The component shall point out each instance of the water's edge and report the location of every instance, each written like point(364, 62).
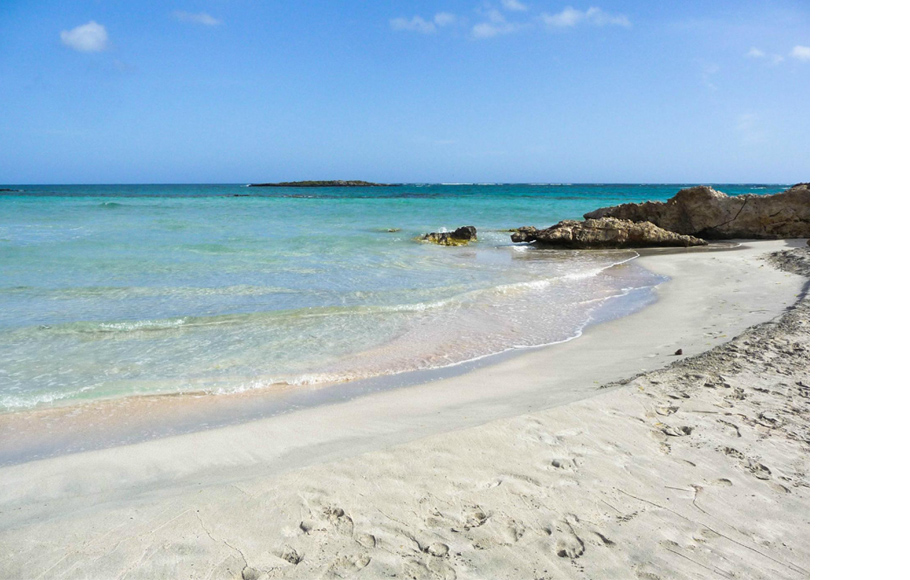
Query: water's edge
point(96, 425)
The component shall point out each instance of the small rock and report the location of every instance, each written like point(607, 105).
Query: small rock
point(678, 352)
point(459, 237)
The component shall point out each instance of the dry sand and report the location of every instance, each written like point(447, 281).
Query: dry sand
point(529, 468)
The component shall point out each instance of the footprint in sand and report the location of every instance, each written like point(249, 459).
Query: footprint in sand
point(722, 482)
point(416, 570)
point(306, 527)
point(473, 519)
point(672, 431)
point(346, 565)
point(513, 532)
point(737, 395)
point(366, 540)
point(560, 463)
point(441, 568)
point(568, 545)
point(758, 470)
point(437, 520)
point(779, 488)
point(731, 452)
point(288, 554)
point(342, 522)
point(548, 439)
point(769, 419)
point(438, 549)
point(603, 539)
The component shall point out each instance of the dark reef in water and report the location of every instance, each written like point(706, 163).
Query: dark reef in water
point(334, 183)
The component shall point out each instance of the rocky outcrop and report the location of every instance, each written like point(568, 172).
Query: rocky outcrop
point(459, 237)
point(604, 233)
point(706, 213)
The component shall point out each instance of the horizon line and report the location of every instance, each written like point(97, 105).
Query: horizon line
point(450, 183)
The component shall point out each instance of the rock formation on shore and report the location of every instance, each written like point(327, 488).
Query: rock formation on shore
point(704, 212)
point(604, 233)
point(459, 237)
point(334, 183)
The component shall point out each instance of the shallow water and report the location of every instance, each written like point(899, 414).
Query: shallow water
point(109, 291)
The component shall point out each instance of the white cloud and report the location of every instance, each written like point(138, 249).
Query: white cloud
point(196, 18)
point(800, 52)
point(571, 17)
point(566, 18)
point(497, 25)
point(598, 17)
point(444, 19)
point(491, 29)
point(514, 5)
point(91, 37)
point(416, 24)
point(759, 54)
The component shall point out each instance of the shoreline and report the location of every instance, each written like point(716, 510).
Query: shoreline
point(56, 430)
point(92, 425)
point(707, 301)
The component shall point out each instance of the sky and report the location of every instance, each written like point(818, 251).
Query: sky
point(239, 91)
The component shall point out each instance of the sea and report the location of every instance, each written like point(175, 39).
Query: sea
point(110, 291)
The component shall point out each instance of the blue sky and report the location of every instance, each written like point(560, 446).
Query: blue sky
point(228, 91)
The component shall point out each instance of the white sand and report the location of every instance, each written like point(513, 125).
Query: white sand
point(522, 469)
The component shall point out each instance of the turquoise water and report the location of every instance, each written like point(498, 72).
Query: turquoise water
point(117, 290)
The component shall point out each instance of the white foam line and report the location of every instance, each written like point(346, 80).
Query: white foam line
point(313, 380)
point(337, 379)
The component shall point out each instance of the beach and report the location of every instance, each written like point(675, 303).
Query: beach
point(497, 290)
point(603, 456)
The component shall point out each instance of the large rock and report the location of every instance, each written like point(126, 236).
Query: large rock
point(459, 237)
point(604, 233)
point(704, 212)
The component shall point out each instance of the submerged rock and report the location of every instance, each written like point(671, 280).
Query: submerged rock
point(459, 237)
point(604, 233)
point(707, 213)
